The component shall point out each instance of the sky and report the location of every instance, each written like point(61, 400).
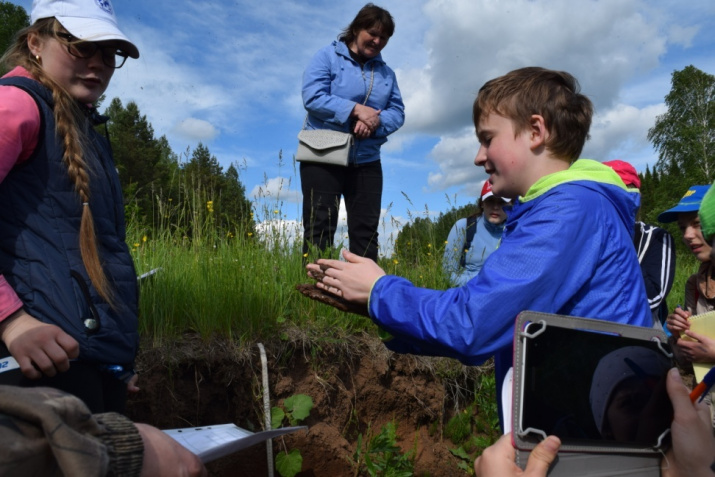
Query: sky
point(227, 73)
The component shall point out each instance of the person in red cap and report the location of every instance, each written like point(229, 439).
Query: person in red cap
point(472, 239)
point(655, 250)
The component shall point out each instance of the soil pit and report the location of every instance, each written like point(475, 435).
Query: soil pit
point(356, 384)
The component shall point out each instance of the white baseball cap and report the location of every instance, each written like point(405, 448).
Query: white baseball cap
point(89, 20)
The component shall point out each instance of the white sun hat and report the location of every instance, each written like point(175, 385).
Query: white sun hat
point(89, 20)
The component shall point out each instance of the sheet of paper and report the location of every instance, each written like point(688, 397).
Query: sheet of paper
point(212, 442)
point(704, 324)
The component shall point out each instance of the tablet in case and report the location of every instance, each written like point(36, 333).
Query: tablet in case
point(599, 386)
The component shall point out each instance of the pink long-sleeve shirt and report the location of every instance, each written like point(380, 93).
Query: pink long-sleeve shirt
point(20, 120)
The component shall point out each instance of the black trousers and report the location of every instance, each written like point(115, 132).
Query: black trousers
point(322, 186)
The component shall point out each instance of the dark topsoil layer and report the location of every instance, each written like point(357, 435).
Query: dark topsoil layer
point(355, 384)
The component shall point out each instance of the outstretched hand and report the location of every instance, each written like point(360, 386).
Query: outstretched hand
point(499, 460)
point(39, 348)
point(351, 280)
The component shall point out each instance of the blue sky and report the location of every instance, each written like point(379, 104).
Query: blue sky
point(228, 74)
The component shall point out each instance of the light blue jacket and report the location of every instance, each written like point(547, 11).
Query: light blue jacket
point(485, 241)
point(333, 83)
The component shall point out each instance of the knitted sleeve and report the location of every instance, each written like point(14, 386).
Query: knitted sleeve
point(48, 432)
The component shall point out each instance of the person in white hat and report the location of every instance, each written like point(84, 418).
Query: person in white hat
point(68, 290)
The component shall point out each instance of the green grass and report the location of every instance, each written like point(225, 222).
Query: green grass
point(215, 281)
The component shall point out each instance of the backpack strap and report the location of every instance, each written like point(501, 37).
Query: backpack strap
point(471, 230)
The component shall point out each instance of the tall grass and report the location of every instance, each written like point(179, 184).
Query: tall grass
point(241, 286)
point(215, 282)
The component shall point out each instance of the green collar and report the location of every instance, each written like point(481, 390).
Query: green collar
point(582, 169)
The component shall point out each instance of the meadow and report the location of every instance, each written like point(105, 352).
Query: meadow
point(214, 281)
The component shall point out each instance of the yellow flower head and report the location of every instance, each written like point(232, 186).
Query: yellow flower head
point(144, 238)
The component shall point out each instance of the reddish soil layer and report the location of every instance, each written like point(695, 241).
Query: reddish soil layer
point(354, 383)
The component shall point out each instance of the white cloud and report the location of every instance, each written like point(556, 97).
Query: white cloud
point(622, 133)
point(682, 36)
point(196, 129)
point(276, 190)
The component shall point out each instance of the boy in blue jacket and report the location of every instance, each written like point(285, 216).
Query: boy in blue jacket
point(567, 245)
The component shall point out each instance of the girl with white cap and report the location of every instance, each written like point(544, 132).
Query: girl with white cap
point(68, 290)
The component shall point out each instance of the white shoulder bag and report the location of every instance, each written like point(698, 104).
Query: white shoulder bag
point(325, 145)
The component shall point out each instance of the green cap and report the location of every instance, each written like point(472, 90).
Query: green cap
point(707, 214)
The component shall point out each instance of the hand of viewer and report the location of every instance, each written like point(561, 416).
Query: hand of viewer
point(164, 457)
point(351, 280)
point(693, 448)
point(678, 321)
point(38, 347)
point(700, 351)
point(498, 460)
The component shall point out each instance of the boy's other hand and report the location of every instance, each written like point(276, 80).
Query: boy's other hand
point(39, 348)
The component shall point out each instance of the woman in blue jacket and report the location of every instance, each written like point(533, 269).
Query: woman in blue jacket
point(336, 83)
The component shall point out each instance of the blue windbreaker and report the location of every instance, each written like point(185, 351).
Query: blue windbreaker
point(567, 248)
point(333, 83)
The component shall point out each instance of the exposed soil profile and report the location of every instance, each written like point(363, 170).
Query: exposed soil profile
point(355, 384)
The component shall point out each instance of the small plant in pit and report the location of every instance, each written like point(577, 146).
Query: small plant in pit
point(295, 409)
point(476, 427)
point(380, 456)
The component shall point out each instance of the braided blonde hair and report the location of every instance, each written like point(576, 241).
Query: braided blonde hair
point(72, 127)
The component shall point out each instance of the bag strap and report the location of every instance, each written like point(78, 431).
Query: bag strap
point(369, 90)
point(471, 230)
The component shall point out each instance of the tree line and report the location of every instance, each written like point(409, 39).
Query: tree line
point(162, 190)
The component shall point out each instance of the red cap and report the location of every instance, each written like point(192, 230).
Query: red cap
point(486, 190)
point(627, 172)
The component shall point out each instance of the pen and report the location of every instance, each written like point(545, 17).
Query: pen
point(700, 390)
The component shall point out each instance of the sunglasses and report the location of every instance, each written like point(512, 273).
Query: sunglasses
point(111, 55)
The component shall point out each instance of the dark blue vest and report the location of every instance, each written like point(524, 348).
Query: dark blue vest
point(40, 215)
